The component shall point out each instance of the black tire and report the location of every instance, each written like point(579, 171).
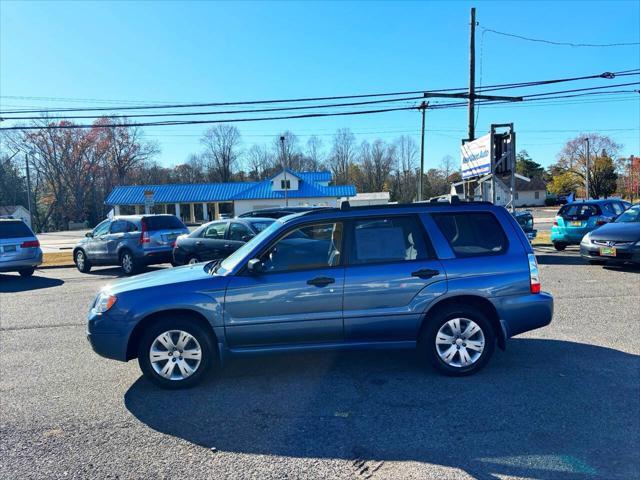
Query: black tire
point(429, 348)
point(84, 265)
point(192, 259)
point(559, 246)
point(193, 328)
point(128, 263)
point(26, 272)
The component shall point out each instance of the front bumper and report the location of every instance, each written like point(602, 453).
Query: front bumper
point(15, 265)
point(630, 253)
point(108, 336)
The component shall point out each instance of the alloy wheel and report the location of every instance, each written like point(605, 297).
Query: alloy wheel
point(80, 260)
point(460, 342)
point(175, 355)
point(127, 263)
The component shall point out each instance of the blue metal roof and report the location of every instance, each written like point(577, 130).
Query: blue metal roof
point(226, 192)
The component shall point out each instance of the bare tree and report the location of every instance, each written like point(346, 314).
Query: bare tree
point(315, 154)
point(405, 175)
point(342, 155)
point(222, 144)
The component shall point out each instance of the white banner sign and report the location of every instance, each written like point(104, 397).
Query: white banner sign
point(476, 157)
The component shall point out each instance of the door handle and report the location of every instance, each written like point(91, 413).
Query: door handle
point(321, 281)
point(198, 242)
point(227, 245)
point(425, 273)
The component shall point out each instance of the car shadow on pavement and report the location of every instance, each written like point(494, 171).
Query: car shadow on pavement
point(117, 271)
point(13, 283)
point(560, 259)
point(542, 409)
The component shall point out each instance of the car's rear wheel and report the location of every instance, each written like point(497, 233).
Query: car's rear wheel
point(128, 263)
point(176, 353)
point(26, 272)
point(193, 260)
point(82, 262)
point(458, 341)
point(560, 246)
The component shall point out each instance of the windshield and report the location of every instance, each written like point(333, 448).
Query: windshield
point(236, 257)
point(631, 215)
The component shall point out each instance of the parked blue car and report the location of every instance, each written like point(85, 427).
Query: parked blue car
point(575, 220)
point(451, 279)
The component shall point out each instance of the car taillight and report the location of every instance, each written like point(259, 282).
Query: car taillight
point(30, 244)
point(601, 221)
point(144, 233)
point(534, 274)
point(555, 223)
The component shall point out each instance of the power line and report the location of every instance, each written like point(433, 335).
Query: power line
point(228, 112)
point(607, 75)
point(566, 44)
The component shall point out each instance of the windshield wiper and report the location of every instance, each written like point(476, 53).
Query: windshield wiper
point(212, 267)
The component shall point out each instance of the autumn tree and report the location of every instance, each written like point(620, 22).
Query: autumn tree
point(221, 151)
point(343, 154)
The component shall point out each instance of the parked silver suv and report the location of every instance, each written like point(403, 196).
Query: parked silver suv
point(19, 248)
point(132, 242)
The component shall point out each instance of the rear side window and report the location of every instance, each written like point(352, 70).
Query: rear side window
point(579, 210)
point(14, 230)
point(387, 240)
point(472, 234)
point(168, 222)
point(122, 226)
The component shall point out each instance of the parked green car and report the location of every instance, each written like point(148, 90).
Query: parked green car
point(575, 220)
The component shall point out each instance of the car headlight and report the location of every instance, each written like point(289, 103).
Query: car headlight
point(104, 302)
point(586, 238)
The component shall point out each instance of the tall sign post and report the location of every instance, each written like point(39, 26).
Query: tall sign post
point(148, 201)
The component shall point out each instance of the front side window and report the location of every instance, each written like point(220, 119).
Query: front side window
point(215, 230)
point(239, 232)
point(102, 228)
point(307, 247)
point(387, 240)
point(472, 234)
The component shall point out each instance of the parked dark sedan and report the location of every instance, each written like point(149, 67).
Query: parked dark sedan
point(276, 212)
point(617, 242)
point(216, 240)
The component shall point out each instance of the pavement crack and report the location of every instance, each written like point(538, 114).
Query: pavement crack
point(36, 327)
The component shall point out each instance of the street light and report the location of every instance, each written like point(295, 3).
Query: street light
point(284, 169)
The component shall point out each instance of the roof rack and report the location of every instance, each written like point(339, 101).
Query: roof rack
point(346, 207)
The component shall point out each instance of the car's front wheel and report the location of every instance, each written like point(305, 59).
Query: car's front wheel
point(82, 262)
point(193, 260)
point(458, 341)
point(176, 352)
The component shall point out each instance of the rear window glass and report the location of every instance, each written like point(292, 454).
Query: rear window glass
point(14, 230)
point(472, 234)
point(579, 210)
point(168, 222)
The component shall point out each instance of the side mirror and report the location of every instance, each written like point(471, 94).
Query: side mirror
point(255, 266)
point(88, 234)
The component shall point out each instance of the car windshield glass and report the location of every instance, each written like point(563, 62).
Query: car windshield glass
point(14, 230)
point(631, 215)
point(229, 263)
point(163, 222)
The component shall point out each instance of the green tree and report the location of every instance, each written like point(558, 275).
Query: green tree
point(527, 167)
point(564, 183)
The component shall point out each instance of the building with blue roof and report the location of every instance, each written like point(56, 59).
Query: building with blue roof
point(203, 202)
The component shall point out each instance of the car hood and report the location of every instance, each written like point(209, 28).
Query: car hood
point(167, 276)
point(619, 232)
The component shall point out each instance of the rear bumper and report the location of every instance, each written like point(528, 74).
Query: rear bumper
point(519, 314)
point(561, 234)
point(156, 256)
point(15, 265)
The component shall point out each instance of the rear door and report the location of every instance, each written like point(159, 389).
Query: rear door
point(391, 277)
point(119, 232)
point(211, 245)
point(17, 241)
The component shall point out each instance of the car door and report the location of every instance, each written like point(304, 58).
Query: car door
point(297, 298)
point(211, 245)
point(237, 235)
point(96, 248)
point(391, 277)
point(118, 232)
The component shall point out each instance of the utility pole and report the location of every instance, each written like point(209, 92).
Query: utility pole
point(472, 74)
point(284, 169)
point(26, 160)
point(423, 108)
point(586, 139)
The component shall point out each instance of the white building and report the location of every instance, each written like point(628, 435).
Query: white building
point(530, 192)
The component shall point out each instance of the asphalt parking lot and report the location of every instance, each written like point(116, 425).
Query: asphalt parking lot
point(561, 402)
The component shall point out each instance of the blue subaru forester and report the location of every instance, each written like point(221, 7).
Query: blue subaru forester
point(452, 279)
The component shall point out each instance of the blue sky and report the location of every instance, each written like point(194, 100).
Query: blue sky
point(128, 52)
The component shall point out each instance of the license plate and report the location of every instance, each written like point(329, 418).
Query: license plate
point(9, 248)
point(608, 251)
point(575, 223)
